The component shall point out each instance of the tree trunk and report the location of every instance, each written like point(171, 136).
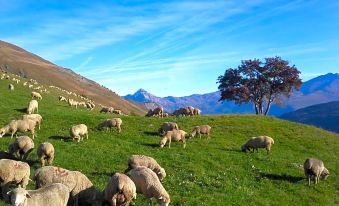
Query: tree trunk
point(268, 107)
point(256, 108)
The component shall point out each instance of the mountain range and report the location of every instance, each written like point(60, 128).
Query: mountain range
point(322, 89)
point(325, 116)
point(16, 60)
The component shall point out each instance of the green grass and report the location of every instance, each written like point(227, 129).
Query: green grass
point(205, 173)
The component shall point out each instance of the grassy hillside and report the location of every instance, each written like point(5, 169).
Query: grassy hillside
point(205, 173)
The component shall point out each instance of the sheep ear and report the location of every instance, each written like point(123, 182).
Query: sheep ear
point(28, 195)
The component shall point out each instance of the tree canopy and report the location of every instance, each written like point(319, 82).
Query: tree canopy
point(261, 83)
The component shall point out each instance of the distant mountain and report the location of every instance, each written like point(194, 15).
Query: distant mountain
point(325, 116)
point(18, 61)
point(321, 89)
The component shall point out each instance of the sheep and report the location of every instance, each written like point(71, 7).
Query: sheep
point(117, 111)
point(177, 135)
point(11, 87)
point(90, 105)
point(191, 110)
point(148, 184)
point(196, 112)
point(19, 126)
point(55, 194)
point(45, 152)
point(22, 146)
point(32, 106)
point(34, 117)
point(81, 188)
point(135, 161)
point(78, 131)
point(182, 111)
point(120, 184)
point(36, 95)
point(109, 123)
point(106, 110)
point(158, 112)
point(62, 99)
point(258, 142)
point(12, 171)
point(201, 129)
point(167, 126)
point(72, 103)
point(314, 168)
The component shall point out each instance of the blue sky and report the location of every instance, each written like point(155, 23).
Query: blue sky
point(173, 47)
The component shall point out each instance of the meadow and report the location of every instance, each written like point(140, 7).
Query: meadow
point(213, 172)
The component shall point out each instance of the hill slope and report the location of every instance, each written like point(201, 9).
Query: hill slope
point(204, 173)
point(325, 116)
point(321, 89)
point(15, 60)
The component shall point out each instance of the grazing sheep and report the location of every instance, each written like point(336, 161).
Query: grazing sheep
point(90, 105)
point(19, 126)
point(109, 123)
point(62, 99)
point(106, 110)
point(36, 95)
point(258, 142)
point(182, 111)
point(141, 160)
point(72, 103)
point(201, 129)
point(55, 194)
point(21, 147)
point(117, 111)
point(167, 126)
point(120, 184)
point(12, 171)
point(315, 169)
point(33, 106)
point(34, 117)
point(191, 110)
point(81, 188)
point(11, 87)
point(148, 184)
point(157, 112)
point(45, 152)
point(78, 132)
point(196, 112)
point(177, 135)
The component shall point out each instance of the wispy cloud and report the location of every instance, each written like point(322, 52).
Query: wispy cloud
point(84, 63)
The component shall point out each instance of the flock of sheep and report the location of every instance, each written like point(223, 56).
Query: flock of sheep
point(58, 186)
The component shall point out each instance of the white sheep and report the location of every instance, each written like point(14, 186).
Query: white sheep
point(148, 184)
point(12, 171)
point(62, 99)
point(167, 126)
point(45, 152)
point(33, 106)
point(11, 87)
point(109, 123)
point(177, 135)
point(34, 117)
point(120, 184)
point(81, 188)
point(258, 142)
point(78, 132)
point(19, 126)
point(201, 129)
point(314, 168)
point(72, 103)
point(36, 95)
point(22, 146)
point(55, 194)
point(135, 161)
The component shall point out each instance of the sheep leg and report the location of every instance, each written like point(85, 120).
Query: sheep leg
point(199, 135)
point(309, 180)
point(42, 161)
point(119, 129)
point(169, 143)
point(50, 160)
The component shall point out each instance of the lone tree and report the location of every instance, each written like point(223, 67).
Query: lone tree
point(259, 82)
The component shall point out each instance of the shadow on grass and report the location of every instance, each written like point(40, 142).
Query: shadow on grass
point(231, 150)
point(284, 177)
point(152, 133)
point(23, 110)
point(109, 174)
point(33, 163)
point(151, 145)
point(66, 139)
